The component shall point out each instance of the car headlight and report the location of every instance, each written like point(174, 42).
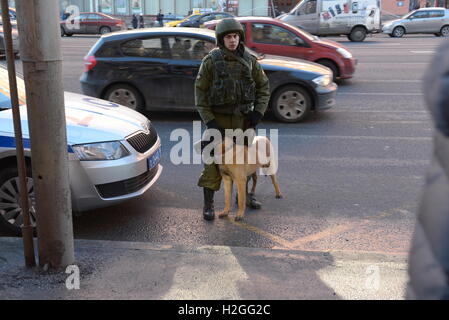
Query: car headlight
point(101, 151)
point(345, 53)
point(323, 81)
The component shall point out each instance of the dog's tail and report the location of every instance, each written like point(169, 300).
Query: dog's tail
point(267, 155)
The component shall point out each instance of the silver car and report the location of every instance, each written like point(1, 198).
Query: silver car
point(426, 20)
point(15, 40)
point(113, 154)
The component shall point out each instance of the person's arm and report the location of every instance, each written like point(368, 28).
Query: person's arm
point(262, 88)
point(202, 85)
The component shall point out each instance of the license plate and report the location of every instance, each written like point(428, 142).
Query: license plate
point(154, 159)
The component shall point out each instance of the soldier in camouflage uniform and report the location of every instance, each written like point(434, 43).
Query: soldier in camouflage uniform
point(231, 92)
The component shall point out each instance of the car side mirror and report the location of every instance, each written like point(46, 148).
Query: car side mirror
point(298, 42)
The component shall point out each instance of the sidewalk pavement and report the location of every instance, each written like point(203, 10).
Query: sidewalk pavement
point(136, 270)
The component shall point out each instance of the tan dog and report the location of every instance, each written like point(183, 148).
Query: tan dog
point(238, 172)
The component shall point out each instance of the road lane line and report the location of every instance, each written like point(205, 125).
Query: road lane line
point(429, 51)
point(410, 94)
point(326, 233)
point(262, 233)
point(335, 230)
point(310, 136)
point(386, 81)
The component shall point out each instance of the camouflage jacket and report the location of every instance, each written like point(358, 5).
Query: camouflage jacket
point(205, 78)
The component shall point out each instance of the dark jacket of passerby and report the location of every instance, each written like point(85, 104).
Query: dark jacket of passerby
point(231, 92)
point(134, 21)
point(160, 19)
point(429, 253)
point(141, 22)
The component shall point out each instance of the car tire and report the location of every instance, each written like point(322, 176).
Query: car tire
point(358, 34)
point(398, 32)
point(11, 217)
point(104, 30)
point(68, 34)
point(291, 103)
point(444, 32)
point(125, 95)
point(331, 65)
point(62, 32)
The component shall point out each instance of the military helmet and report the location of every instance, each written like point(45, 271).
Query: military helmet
point(228, 25)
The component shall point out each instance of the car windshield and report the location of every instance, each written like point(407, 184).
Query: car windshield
point(106, 16)
point(304, 33)
point(409, 14)
point(192, 17)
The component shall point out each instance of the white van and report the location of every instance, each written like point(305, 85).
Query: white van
point(355, 18)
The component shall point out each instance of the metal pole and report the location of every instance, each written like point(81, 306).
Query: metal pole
point(27, 228)
point(40, 39)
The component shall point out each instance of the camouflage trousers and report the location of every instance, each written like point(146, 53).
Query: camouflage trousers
point(210, 177)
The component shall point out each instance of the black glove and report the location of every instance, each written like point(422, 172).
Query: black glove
point(214, 125)
point(254, 118)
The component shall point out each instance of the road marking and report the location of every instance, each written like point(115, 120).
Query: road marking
point(331, 231)
point(386, 81)
point(430, 51)
point(376, 111)
point(317, 136)
point(394, 63)
point(359, 162)
point(379, 94)
point(267, 235)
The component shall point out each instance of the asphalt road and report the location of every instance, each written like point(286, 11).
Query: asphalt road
point(351, 176)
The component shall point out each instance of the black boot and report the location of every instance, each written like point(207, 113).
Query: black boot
point(208, 210)
point(251, 201)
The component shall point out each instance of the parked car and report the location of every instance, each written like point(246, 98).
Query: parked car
point(155, 69)
point(91, 23)
point(198, 21)
point(15, 41)
point(176, 22)
point(12, 13)
point(171, 17)
point(425, 20)
point(113, 156)
point(271, 36)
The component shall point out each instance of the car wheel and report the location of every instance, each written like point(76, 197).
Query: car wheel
point(398, 32)
point(358, 34)
point(62, 32)
point(68, 34)
point(104, 30)
point(331, 65)
point(11, 216)
point(125, 95)
point(291, 104)
point(444, 31)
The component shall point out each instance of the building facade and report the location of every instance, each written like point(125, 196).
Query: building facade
point(175, 7)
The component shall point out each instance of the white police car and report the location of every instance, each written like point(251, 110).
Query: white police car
point(114, 154)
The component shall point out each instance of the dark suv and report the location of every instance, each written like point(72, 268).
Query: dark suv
point(155, 69)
